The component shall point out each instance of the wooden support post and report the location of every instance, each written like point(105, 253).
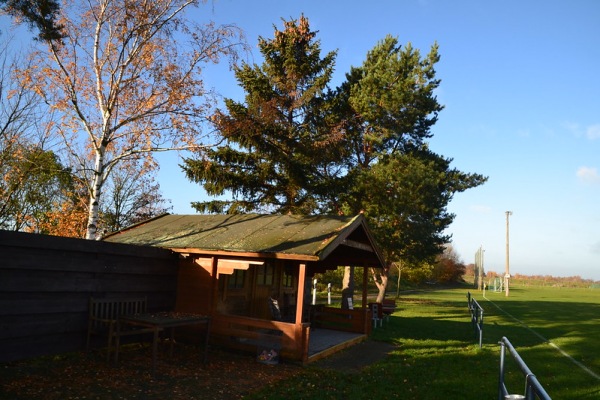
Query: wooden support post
point(367, 320)
point(364, 285)
point(214, 288)
point(299, 330)
point(300, 294)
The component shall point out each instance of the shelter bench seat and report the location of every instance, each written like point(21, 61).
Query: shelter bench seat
point(388, 307)
point(104, 314)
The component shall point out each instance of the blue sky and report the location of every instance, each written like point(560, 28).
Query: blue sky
point(521, 91)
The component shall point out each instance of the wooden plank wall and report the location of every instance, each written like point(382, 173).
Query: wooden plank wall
point(46, 283)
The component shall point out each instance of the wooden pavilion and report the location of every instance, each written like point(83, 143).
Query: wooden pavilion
point(253, 274)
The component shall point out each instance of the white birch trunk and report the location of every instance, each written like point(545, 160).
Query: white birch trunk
point(95, 193)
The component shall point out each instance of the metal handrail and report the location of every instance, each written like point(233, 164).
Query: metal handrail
point(533, 388)
point(476, 317)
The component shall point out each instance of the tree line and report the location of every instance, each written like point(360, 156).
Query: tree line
point(547, 280)
point(446, 269)
point(118, 84)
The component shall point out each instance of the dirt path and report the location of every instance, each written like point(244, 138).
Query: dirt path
point(355, 358)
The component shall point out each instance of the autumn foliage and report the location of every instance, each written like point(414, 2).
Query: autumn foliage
point(126, 82)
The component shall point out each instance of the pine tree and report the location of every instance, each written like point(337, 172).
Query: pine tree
point(389, 106)
point(40, 14)
point(280, 140)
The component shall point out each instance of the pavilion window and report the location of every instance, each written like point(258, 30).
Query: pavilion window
point(288, 276)
point(237, 279)
point(265, 274)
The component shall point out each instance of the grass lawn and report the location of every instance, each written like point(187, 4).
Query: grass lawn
point(550, 325)
point(437, 355)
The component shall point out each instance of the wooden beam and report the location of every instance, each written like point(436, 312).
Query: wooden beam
point(358, 245)
point(234, 261)
point(225, 271)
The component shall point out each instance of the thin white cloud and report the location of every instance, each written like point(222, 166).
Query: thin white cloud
point(588, 175)
point(572, 127)
point(480, 209)
point(524, 133)
point(593, 132)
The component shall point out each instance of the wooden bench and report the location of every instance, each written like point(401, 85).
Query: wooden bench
point(104, 314)
point(388, 307)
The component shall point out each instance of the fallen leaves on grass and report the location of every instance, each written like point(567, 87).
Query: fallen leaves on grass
point(183, 376)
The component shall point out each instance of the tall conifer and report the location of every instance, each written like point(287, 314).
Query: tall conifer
point(277, 142)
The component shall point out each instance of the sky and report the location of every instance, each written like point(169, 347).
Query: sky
point(521, 88)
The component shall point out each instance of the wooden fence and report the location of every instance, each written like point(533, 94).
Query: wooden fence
point(46, 283)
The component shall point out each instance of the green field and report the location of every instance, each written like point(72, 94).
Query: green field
point(437, 356)
point(556, 331)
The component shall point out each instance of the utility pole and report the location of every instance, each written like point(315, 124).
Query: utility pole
point(507, 269)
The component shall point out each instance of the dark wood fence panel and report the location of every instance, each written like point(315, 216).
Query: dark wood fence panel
point(46, 283)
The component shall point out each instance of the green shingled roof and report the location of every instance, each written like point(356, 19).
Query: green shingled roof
point(312, 237)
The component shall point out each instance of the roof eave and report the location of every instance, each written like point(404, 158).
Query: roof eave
point(239, 254)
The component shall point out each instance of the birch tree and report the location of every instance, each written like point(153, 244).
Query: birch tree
point(127, 82)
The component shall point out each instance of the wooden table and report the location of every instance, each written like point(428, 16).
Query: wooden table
point(160, 321)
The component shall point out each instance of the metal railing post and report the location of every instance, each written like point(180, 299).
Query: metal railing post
point(533, 388)
point(481, 330)
point(476, 313)
point(529, 392)
point(501, 387)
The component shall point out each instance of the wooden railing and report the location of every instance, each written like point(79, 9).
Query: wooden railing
point(292, 340)
point(357, 320)
point(248, 333)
